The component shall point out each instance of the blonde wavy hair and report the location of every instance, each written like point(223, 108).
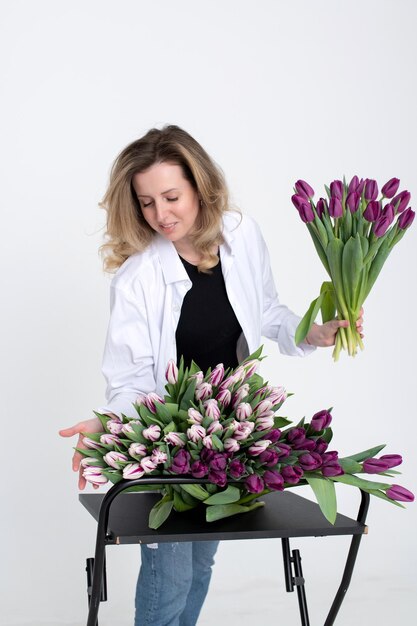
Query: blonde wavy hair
point(127, 231)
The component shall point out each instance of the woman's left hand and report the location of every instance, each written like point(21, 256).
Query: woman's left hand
point(324, 335)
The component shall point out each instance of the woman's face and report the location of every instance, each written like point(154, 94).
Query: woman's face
point(169, 203)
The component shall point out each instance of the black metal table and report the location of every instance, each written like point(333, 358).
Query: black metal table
point(123, 518)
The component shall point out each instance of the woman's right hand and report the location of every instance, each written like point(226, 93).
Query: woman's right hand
point(88, 426)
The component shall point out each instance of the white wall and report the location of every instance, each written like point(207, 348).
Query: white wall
point(275, 91)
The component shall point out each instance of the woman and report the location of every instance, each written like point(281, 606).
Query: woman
point(193, 279)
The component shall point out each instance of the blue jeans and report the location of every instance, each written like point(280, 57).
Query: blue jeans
point(173, 583)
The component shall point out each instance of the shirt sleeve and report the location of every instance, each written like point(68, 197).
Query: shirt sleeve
point(128, 362)
point(279, 323)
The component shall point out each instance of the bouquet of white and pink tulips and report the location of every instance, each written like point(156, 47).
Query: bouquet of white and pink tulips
point(353, 232)
point(223, 426)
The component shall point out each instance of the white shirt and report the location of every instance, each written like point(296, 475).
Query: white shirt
point(146, 297)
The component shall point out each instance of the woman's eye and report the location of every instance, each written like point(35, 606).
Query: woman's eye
point(144, 205)
point(172, 199)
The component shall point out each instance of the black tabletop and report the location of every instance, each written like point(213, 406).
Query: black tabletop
point(285, 514)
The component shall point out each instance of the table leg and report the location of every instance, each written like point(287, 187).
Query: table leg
point(296, 580)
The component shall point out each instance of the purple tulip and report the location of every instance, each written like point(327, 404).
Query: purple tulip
point(231, 445)
point(321, 207)
point(375, 466)
point(269, 457)
point(321, 446)
point(336, 189)
point(292, 474)
point(296, 435)
point(151, 400)
point(206, 455)
point(372, 211)
point(196, 432)
point(114, 459)
point(217, 477)
point(401, 494)
point(273, 480)
point(304, 208)
point(392, 459)
point(283, 450)
point(171, 372)
point(132, 471)
point(152, 433)
point(93, 475)
point(335, 207)
point(320, 420)
point(361, 187)
point(306, 214)
point(254, 483)
point(236, 468)
point(390, 188)
point(401, 201)
point(310, 461)
point(224, 397)
point(217, 375)
point(371, 189)
point(218, 462)
point(332, 468)
point(203, 391)
point(352, 201)
point(383, 222)
point(304, 189)
point(273, 435)
point(305, 444)
point(406, 219)
point(181, 462)
point(353, 185)
point(198, 469)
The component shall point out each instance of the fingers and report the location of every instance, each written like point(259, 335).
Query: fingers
point(72, 430)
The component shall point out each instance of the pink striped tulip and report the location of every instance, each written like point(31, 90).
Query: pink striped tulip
point(152, 433)
point(171, 372)
point(93, 475)
point(133, 471)
point(114, 459)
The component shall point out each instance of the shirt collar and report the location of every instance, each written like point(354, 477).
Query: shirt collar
point(172, 268)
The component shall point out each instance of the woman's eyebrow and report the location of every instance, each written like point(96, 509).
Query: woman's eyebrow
point(145, 195)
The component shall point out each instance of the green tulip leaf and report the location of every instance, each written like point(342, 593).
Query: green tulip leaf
point(160, 512)
point(328, 304)
point(361, 483)
point(325, 493)
point(229, 495)
point(181, 505)
point(350, 466)
point(366, 454)
point(306, 323)
point(219, 511)
point(188, 396)
point(197, 491)
point(103, 419)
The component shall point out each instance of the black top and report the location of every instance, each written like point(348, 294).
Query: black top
point(208, 328)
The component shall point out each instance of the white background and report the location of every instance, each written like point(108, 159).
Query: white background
point(275, 91)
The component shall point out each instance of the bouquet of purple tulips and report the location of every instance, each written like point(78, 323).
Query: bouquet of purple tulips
point(353, 232)
point(223, 426)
